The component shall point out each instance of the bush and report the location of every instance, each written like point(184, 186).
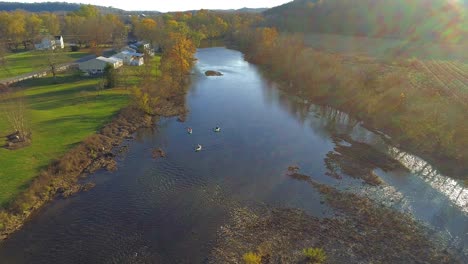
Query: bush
point(252, 258)
point(315, 255)
point(110, 75)
point(74, 48)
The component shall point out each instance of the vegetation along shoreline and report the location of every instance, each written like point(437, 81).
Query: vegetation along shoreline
point(393, 97)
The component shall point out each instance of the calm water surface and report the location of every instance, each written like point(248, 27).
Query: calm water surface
point(169, 210)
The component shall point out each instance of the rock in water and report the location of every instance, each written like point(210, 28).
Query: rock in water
point(213, 73)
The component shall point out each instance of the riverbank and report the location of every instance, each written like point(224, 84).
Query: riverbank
point(62, 178)
point(420, 115)
point(359, 232)
point(59, 115)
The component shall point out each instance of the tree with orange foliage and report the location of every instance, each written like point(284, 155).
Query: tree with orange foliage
point(264, 44)
point(178, 57)
point(146, 29)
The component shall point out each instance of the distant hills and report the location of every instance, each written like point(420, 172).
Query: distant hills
point(51, 7)
point(68, 7)
point(435, 20)
point(244, 10)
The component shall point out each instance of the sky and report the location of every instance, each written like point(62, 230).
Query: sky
point(176, 5)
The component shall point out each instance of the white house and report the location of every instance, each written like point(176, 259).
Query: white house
point(49, 43)
point(97, 65)
point(141, 45)
point(130, 58)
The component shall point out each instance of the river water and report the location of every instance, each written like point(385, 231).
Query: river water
point(169, 210)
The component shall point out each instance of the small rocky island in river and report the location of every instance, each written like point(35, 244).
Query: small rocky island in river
point(213, 73)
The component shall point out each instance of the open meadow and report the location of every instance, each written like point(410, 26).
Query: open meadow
point(30, 61)
point(59, 116)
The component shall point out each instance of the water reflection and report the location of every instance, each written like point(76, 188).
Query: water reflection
point(438, 200)
point(452, 189)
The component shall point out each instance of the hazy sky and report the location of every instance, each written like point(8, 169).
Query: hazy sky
point(177, 5)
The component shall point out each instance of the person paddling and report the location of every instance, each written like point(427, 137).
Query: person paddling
point(198, 148)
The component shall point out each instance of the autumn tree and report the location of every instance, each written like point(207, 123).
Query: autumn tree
point(51, 23)
point(13, 27)
point(33, 26)
point(145, 29)
point(262, 44)
point(117, 30)
point(73, 28)
point(178, 57)
point(88, 11)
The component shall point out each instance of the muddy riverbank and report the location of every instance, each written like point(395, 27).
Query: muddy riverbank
point(360, 231)
point(63, 178)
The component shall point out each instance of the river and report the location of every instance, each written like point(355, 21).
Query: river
point(169, 210)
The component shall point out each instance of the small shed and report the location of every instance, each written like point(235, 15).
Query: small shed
point(97, 65)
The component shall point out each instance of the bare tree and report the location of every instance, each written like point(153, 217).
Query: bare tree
point(54, 57)
point(13, 108)
point(3, 59)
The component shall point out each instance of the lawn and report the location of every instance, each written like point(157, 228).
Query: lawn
point(24, 62)
point(60, 116)
point(131, 75)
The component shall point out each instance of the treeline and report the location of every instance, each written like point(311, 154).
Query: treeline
point(88, 26)
point(416, 20)
point(39, 7)
point(198, 26)
point(424, 119)
point(83, 26)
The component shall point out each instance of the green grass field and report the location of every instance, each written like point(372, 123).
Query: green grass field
point(59, 116)
point(24, 62)
point(131, 76)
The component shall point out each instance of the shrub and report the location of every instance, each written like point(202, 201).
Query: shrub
point(252, 258)
point(315, 255)
point(111, 76)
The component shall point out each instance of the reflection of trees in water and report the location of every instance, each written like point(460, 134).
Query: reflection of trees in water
point(329, 121)
point(450, 188)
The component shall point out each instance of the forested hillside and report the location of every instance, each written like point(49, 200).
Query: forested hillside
point(39, 7)
point(53, 7)
point(434, 20)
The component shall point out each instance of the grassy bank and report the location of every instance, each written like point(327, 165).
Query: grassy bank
point(59, 116)
point(25, 62)
point(75, 129)
point(420, 104)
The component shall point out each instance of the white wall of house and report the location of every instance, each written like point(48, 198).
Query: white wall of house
point(49, 43)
